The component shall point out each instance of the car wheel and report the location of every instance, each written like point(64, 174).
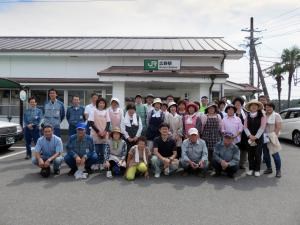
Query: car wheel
point(296, 138)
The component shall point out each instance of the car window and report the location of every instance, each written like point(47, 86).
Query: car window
point(294, 114)
point(283, 115)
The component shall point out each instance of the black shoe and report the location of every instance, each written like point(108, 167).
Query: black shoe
point(268, 171)
point(45, 172)
point(217, 174)
point(230, 175)
point(278, 173)
point(71, 172)
point(88, 170)
point(56, 172)
point(27, 157)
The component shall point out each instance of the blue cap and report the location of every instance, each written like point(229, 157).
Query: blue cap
point(81, 126)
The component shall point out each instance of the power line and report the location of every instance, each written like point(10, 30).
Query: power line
point(282, 34)
point(281, 15)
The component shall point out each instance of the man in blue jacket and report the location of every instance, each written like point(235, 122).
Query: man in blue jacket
point(75, 115)
point(80, 153)
point(54, 112)
point(32, 120)
point(226, 156)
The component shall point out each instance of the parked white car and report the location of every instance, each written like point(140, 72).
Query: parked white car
point(10, 133)
point(291, 125)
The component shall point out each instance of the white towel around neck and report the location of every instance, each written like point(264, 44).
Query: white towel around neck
point(137, 155)
point(271, 118)
point(127, 120)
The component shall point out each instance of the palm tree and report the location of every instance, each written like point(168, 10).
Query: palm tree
point(291, 60)
point(276, 72)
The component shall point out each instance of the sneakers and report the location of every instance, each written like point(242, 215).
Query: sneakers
point(95, 167)
point(257, 174)
point(167, 171)
point(80, 175)
point(109, 174)
point(278, 174)
point(157, 175)
point(250, 173)
point(268, 171)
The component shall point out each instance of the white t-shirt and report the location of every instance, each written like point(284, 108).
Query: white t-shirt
point(88, 109)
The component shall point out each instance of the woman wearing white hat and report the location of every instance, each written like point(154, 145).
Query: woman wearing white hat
point(115, 113)
point(174, 120)
point(254, 126)
point(155, 118)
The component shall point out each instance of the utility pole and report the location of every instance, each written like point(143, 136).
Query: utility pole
point(253, 56)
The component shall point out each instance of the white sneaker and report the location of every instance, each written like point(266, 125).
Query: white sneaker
point(78, 174)
point(157, 175)
point(167, 171)
point(250, 173)
point(95, 167)
point(257, 174)
point(109, 174)
point(84, 175)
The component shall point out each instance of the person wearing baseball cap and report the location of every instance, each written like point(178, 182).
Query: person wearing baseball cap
point(226, 156)
point(81, 153)
point(194, 154)
point(141, 111)
point(204, 103)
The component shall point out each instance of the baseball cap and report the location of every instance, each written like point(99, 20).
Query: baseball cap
point(81, 126)
point(193, 131)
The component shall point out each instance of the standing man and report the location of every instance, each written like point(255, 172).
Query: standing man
point(141, 110)
point(54, 112)
point(149, 102)
point(194, 154)
point(75, 115)
point(170, 98)
point(80, 153)
point(48, 150)
point(165, 152)
point(204, 103)
point(88, 110)
point(226, 156)
point(32, 121)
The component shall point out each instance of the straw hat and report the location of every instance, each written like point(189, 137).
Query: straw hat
point(254, 101)
point(211, 105)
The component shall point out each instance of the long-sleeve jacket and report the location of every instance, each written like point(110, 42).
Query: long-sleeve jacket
point(33, 116)
point(54, 113)
point(80, 147)
point(230, 154)
point(194, 151)
point(75, 115)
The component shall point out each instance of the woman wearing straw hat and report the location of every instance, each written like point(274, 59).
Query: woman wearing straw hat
point(174, 120)
point(155, 118)
point(116, 153)
point(254, 126)
point(191, 119)
point(211, 129)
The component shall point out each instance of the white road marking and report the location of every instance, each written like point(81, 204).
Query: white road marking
point(13, 154)
point(18, 147)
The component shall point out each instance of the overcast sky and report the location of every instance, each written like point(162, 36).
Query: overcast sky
point(280, 20)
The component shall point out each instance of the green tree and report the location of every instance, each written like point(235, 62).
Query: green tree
point(291, 60)
point(276, 72)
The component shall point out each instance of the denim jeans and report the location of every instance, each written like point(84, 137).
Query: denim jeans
point(56, 131)
point(92, 158)
point(56, 162)
point(100, 150)
point(31, 135)
point(275, 156)
point(158, 165)
point(72, 130)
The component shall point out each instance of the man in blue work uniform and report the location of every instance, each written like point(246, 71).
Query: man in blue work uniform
point(75, 115)
point(54, 112)
point(80, 153)
point(32, 120)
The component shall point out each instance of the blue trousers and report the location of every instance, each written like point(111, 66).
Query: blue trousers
point(72, 130)
point(92, 158)
point(31, 135)
point(100, 150)
point(267, 158)
point(56, 162)
point(57, 131)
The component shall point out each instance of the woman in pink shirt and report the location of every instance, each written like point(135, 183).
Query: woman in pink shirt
point(115, 113)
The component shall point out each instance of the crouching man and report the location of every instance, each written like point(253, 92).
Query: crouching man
point(48, 151)
point(81, 153)
point(165, 152)
point(194, 154)
point(226, 156)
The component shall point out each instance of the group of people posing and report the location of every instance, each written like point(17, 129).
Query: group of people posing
point(162, 137)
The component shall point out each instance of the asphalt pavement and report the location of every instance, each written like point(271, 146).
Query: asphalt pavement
point(28, 199)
